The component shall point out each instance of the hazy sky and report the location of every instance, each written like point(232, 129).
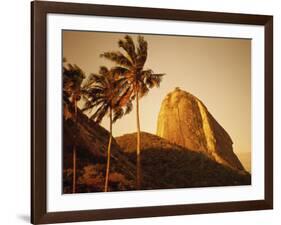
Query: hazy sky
point(216, 70)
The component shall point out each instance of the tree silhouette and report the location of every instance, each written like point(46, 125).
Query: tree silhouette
point(135, 82)
point(73, 77)
point(103, 94)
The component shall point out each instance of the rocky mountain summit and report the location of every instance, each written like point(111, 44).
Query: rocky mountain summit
point(184, 120)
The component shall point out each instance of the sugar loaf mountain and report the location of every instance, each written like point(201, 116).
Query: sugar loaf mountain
point(190, 149)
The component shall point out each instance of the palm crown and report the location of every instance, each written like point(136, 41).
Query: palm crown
point(73, 77)
point(103, 94)
point(130, 66)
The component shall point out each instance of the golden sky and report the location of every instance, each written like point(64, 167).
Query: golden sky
point(215, 70)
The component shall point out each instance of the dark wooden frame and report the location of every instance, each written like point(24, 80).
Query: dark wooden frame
point(39, 11)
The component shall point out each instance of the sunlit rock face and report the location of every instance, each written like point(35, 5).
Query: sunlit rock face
point(184, 120)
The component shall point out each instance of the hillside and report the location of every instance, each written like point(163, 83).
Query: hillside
point(91, 140)
point(166, 165)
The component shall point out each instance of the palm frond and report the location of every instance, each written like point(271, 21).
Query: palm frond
point(151, 79)
point(96, 79)
point(100, 113)
point(143, 90)
point(117, 114)
point(141, 52)
point(94, 93)
point(90, 105)
point(120, 83)
point(104, 71)
point(120, 71)
point(129, 47)
point(125, 96)
point(129, 107)
point(118, 58)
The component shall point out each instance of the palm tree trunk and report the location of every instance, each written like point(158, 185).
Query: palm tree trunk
point(108, 153)
point(138, 145)
point(74, 152)
point(74, 169)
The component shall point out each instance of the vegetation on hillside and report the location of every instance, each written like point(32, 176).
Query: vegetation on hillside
point(166, 165)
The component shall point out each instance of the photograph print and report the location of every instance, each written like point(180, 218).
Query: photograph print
point(149, 112)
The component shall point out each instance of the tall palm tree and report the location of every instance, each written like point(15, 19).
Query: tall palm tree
point(102, 93)
point(136, 80)
point(73, 77)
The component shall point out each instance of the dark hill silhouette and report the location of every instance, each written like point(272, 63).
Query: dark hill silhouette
point(166, 165)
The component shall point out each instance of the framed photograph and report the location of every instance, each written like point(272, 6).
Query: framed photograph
point(144, 112)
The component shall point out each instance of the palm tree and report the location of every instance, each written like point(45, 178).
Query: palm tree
point(102, 93)
point(73, 77)
point(136, 80)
